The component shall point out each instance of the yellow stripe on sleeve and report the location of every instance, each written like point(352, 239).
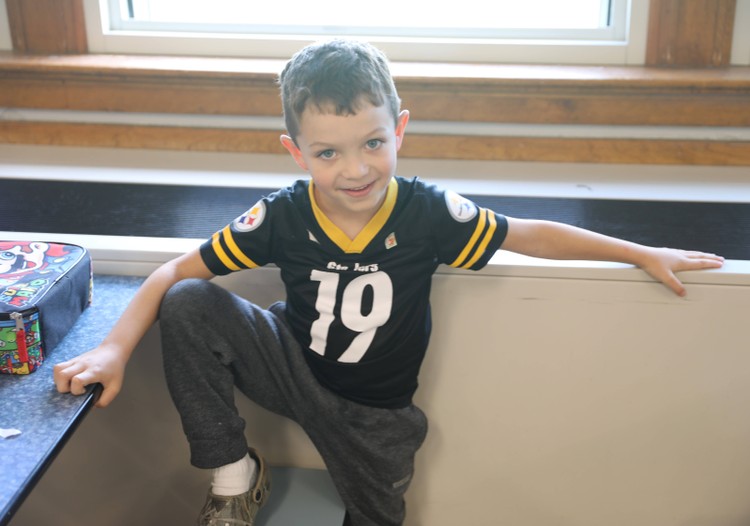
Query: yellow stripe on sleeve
point(219, 251)
point(485, 241)
point(477, 232)
point(235, 250)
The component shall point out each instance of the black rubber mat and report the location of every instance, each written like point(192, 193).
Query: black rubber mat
point(196, 212)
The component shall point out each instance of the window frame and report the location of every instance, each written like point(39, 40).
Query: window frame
point(626, 47)
point(612, 19)
point(741, 39)
point(5, 40)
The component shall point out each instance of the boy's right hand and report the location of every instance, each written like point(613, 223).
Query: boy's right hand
point(104, 364)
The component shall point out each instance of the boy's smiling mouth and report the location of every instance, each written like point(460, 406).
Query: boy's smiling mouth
point(359, 190)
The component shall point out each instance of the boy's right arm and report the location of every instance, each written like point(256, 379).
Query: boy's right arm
point(105, 364)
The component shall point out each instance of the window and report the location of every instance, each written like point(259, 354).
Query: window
point(5, 43)
point(548, 19)
point(570, 31)
point(740, 35)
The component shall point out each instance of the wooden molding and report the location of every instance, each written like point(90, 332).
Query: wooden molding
point(540, 149)
point(578, 150)
point(488, 94)
point(499, 94)
point(47, 26)
point(690, 33)
point(141, 137)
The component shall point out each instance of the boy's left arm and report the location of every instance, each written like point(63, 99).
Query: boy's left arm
point(551, 240)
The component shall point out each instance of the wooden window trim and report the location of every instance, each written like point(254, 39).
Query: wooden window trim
point(690, 33)
point(525, 94)
point(529, 94)
point(47, 26)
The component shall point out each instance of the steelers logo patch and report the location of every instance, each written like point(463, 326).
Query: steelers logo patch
point(251, 219)
point(460, 208)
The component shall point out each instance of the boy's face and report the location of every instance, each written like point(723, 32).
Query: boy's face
point(350, 158)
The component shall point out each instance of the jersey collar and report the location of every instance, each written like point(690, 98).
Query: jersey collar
point(359, 243)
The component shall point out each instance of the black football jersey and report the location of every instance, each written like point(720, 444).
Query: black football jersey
point(360, 308)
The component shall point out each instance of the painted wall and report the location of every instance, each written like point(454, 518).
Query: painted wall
point(581, 394)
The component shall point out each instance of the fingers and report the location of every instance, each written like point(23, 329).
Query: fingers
point(108, 394)
point(64, 374)
point(668, 278)
point(72, 379)
point(701, 260)
point(100, 365)
point(79, 382)
point(74, 375)
point(675, 284)
point(678, 260)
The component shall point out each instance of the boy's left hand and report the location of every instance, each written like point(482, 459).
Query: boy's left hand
point(662, 263)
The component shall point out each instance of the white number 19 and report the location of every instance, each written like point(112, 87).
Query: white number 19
point(351, 311)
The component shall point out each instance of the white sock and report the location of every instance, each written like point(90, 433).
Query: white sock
point(235, 478)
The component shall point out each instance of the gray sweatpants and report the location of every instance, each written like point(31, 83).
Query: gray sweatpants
point(213, 340)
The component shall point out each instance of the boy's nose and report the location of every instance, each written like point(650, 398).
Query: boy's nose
point(355, 168)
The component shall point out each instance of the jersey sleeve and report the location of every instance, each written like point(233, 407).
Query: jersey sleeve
point(467, 234)
point(242, 244)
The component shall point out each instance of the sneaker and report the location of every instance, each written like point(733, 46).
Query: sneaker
point(238, 510)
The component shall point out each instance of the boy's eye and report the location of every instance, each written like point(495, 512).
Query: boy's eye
point(373, 144)
point(326, 154)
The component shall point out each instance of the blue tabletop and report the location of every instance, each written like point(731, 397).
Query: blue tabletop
point(31, 404)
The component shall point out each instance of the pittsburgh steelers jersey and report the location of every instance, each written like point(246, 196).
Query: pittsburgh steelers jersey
point(360, 307)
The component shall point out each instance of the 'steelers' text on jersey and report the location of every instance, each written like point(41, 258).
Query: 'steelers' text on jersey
point(360, 307)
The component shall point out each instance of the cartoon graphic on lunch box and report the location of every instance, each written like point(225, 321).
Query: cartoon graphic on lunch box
point(32, 290)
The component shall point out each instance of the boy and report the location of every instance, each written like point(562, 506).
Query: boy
point(356, 247)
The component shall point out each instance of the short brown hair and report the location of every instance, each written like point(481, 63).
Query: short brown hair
point(340, 73)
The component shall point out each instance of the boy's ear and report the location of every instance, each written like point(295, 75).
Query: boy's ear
point(403, 119)
point(288, 143)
